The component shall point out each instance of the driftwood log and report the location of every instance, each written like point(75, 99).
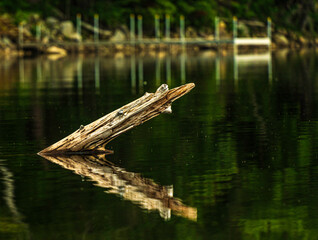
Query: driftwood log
point(92, 138)
point(129, 185)
point(91, 28)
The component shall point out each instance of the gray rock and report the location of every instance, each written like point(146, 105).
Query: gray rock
point(303, 41)
point(45, 39)
point(210, 37)
point(118, 36)
point(6, 41)
point(67, 28)
point(280, 40)
point(74, 37)
point(191, 32)
point(51, 21)
point(56, 50)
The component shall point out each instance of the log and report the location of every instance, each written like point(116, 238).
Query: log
point(128, 185)
point(92, 138)
point(101, 32)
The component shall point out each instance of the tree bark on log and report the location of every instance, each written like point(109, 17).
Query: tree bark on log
point(93, 137)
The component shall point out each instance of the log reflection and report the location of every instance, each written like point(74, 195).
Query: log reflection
point(131, 186)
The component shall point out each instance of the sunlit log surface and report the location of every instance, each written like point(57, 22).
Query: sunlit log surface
point(93, 137)
point(131, 186)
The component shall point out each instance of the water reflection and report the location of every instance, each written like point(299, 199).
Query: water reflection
point(97, 74)
point(183, 67)
point(128, 185)
point(245, 61)
point(158, 71)
point(166, 68)
point(79, 67)
point(13, 225)
point(133, 74)
point(244, 153)
point(141, 74)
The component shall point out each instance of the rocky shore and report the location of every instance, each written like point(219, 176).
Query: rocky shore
point(53, 34)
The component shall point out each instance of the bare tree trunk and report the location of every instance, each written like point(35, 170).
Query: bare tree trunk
point(93, 137)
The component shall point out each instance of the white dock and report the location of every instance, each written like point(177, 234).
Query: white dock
point(252, 41)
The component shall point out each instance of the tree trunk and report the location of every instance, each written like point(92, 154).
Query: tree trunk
point(93, 137)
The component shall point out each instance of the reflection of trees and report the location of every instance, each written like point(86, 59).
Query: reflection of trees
point(11, 226)
point(131, 186)
point(248, 153)
point(275, 133)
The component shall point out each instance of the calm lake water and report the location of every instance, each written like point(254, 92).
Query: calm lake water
point(238, 154)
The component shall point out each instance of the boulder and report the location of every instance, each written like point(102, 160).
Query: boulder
point(56, 50)
point(45, 39)
point(6, 41)
point(303, 41)
point(210, 37)
point(118, 36)
point(51, 22)
point(280, 40)
point(67, 28)
point(191, 32)
point(74, 37)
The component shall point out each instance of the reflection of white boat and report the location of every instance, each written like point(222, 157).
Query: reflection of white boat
point(130, 186)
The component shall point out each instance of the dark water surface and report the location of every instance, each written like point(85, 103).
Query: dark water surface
point(239, 151)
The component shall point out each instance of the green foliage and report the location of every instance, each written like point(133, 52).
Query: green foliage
point(297, 16)
point(13, 6)
point(22, 16)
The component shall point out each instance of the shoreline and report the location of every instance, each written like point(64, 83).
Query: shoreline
point(69, 48)
point(37, 36)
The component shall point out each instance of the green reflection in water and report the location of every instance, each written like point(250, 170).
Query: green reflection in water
point(12, 225)
point(241, 147)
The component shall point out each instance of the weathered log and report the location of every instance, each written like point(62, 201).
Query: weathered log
point(93, 137)
point(129, 185)
point(91, 28)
